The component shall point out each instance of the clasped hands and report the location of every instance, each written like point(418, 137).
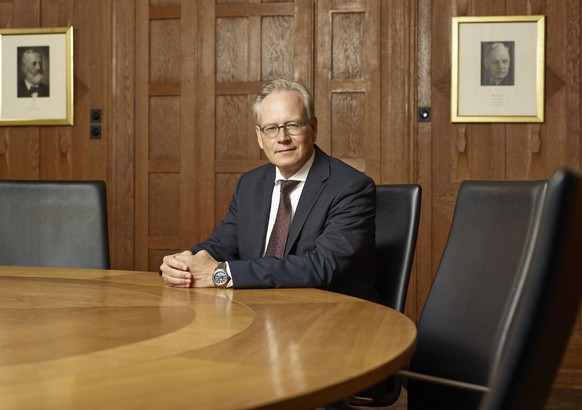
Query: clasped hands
point(185, 270)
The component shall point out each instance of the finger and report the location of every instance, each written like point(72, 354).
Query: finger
point(171, 271)
point(177, 281)
point(181, 260)
point(176, 261)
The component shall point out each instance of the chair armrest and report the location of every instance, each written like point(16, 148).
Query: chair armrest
point(441, 380)
point(406, 374)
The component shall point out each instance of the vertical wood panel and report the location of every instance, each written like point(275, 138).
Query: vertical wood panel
point(347, 32)
point(563, 100)
point(232, 132)
point(21, 145)
point(322, 75)
point(164, 215)
point(205, 155)
point(232, 36)
point(421, 276)
point(348, 121)
point(122, 167)
point(348, 54)
point(142, 58)
point(164, 64)
point(526, 156)
point(166, 134)
point(58, 148)
point(399, 88)
point(93, 83)
point(189, 121)
point(445, 136)
point(277, 45)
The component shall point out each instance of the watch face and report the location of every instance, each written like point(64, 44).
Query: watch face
point(220, 278)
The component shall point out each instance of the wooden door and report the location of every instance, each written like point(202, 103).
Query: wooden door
point(347, 82)
point(198, 67)
point(244, 45)
point(166, 121)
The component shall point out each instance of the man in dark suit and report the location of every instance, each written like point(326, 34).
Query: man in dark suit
point(331, 238)
point(31, 84)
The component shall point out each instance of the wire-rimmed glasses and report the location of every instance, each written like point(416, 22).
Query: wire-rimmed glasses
point(290, 128)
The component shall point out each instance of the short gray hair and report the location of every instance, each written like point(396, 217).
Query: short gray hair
point(496, 46)
point(284, 85)
point(28, 52)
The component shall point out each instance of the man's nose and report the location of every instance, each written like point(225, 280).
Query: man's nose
point(283, 135)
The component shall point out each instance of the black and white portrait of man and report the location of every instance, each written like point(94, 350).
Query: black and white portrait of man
point(33, 78)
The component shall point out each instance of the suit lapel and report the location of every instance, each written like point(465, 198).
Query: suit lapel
point(314, 185)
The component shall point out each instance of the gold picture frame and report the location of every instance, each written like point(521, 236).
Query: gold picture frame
point(497, 69)
point(45, 57)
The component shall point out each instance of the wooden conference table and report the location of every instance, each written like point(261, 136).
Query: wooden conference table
point(96, 339)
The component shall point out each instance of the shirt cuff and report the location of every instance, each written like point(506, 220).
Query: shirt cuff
point(230, 282)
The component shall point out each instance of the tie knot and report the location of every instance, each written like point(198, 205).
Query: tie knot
point(288, 185)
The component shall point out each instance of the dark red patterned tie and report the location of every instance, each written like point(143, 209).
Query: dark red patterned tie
point(278, 238)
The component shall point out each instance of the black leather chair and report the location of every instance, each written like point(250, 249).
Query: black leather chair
point(471, 300)
point(397, 219)
point(54, 223)
point(550, 304)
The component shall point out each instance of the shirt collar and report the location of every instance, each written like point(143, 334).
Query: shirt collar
point(28, 84)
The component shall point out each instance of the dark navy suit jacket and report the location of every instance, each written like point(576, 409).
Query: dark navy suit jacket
point(331, 240)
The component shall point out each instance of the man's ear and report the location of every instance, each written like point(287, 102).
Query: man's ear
point(259, 138)
point(314, 129)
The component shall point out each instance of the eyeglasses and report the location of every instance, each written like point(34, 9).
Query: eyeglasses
point(291, 128)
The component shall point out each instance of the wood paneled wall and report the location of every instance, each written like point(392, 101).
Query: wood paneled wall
point(175, 79)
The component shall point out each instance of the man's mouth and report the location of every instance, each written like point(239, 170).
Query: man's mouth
point(282, 151)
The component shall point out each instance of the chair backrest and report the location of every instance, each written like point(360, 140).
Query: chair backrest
point(550, 304)
point(397, 218)
point(54, 223)
point(472, 297)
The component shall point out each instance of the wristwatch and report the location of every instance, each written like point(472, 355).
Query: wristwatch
point(220, 277)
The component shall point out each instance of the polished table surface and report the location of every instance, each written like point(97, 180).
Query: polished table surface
point(83, 339)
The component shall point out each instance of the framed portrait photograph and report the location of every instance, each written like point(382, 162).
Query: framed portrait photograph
point(36, 76)
point(497, 69)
